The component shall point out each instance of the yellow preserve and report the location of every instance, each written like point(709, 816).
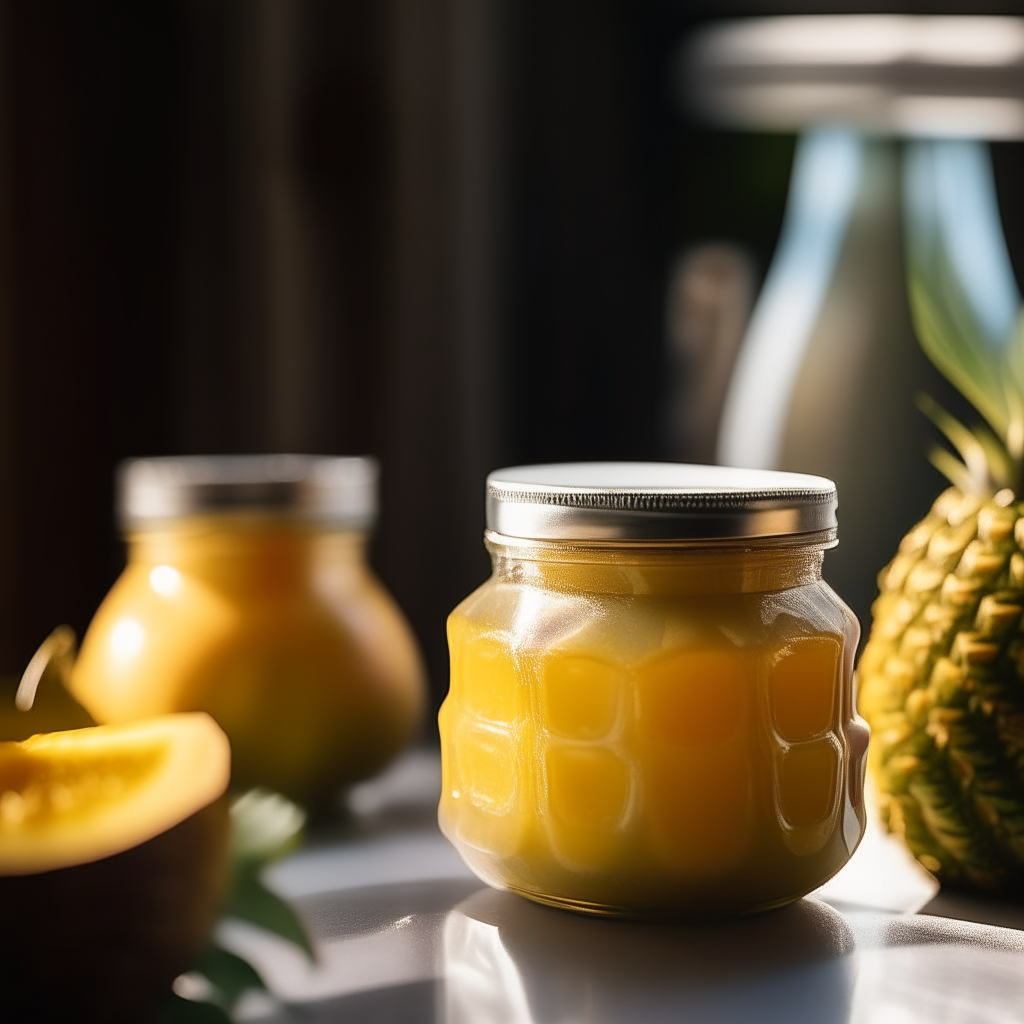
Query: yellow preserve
point(247, 595)
point(646, 722)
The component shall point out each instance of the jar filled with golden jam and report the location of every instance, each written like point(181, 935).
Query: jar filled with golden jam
point(247, 594)
point(651, 708)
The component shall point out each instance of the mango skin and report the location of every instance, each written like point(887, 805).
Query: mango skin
point(102, 942)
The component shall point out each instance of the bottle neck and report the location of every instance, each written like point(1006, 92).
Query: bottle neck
point(668, 570)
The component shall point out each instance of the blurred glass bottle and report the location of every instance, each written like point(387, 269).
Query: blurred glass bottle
point(828, 370)
point(247, 594)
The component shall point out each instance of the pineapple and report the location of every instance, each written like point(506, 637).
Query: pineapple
point(942, 675)
point(942, 686)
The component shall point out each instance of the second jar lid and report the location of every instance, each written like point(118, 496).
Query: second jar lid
point(595, 501)
point(340, 491)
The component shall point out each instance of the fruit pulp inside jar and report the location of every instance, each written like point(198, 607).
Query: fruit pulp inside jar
point(645, 733)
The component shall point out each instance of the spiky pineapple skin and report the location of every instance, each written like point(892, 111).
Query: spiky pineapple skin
point(942, 685)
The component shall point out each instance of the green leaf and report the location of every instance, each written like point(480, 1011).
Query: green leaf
point(229, 974)
point(958, 348)
point(252, 901)
point(264, 826)
point(1014, 387)
point(1001, 465)
point(987, 370)
point(951, 468)
point(970, 447)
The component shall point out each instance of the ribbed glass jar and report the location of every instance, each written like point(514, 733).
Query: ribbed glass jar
point(653, 726)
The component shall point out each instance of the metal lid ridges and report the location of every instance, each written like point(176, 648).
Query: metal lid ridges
point(656, 501)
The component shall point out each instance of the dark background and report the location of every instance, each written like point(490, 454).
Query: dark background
point(437, 231)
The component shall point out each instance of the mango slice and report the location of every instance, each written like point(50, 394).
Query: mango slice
point(113, 857)
point(69, 798)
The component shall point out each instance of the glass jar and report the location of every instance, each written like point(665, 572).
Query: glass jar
point(651, 708)
point(247, 594)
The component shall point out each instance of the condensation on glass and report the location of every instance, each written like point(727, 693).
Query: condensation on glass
point(651, 708)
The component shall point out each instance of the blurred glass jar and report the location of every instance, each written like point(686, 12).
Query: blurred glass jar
point(651, 708)
point(247, 594)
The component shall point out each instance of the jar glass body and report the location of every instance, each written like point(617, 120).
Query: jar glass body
point(657, 730)
point(276, 628)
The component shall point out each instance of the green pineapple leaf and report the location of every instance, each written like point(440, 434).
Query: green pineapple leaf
point(973, 452)
point(1014, 389)
point(1001, 465)
point(951, 468)
point(961, 322)
point(957, 347)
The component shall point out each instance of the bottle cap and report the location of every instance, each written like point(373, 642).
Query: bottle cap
point(917, 75)
point(329, 490)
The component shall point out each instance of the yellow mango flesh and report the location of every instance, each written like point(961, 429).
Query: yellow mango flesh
point(637, 753)
point(70, 798)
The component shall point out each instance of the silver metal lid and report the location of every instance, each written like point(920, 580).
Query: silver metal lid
point(654, 501)
point(329, 490)
point(918, 75)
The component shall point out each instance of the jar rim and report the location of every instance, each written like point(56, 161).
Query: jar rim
point(553, 550)
point(611, 502)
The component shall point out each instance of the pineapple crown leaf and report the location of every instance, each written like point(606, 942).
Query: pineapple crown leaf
point(1014, 390)
point(962, 294)
point(951, 468)
point(991, 379)
point(1002, 466)
point(984, 466)
point(964, 356)
point(974, 453)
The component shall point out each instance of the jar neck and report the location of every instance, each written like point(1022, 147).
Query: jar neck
point(246, 548)
point(656, 569)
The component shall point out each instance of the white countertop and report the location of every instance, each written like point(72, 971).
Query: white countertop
point(405, 933)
